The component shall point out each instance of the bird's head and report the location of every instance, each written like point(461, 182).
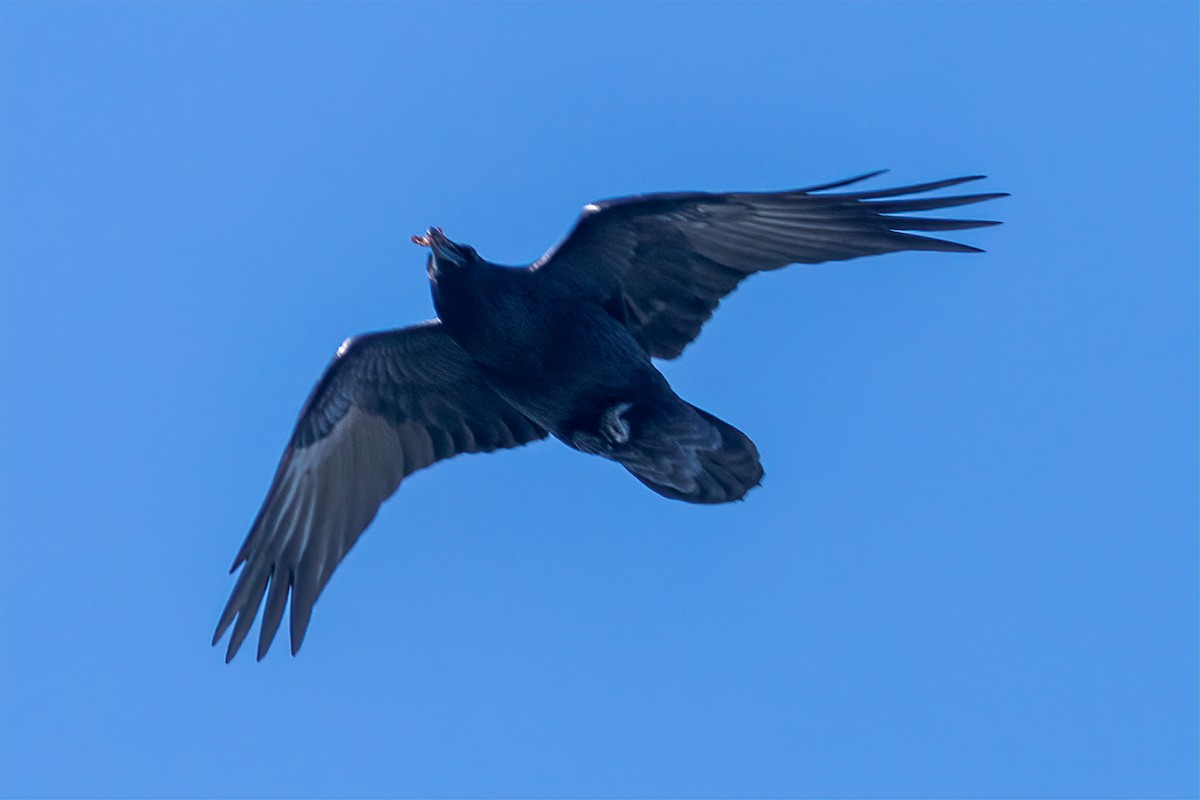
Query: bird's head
point(444, 255)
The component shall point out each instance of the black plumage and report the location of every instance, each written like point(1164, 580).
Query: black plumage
point(562, 346)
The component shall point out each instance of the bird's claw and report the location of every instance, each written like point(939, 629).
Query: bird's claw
point(615, 429)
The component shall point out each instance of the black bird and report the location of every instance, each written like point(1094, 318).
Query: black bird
point(562, 346)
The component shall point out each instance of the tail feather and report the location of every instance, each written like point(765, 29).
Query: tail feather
point(715, 468)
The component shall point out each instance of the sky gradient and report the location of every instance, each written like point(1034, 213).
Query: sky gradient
point(971, 569)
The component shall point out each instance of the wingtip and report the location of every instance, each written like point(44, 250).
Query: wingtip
point(242, 554)
point(299, 627)
point(235, 638)
point(978, 198)
point(872, 174)
point(961, 179)
point(842, 182)
point(222, 626)
point(235, 645)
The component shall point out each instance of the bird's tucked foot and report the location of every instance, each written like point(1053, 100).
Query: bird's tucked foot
point(612, 426)
point(612, 432)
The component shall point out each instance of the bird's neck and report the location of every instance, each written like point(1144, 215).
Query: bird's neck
point(477, 304)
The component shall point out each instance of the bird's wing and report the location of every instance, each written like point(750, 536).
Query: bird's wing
point(662, 262)
point(389, 404)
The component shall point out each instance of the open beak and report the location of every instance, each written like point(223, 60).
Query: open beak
point(442, 251)
point(433, 238)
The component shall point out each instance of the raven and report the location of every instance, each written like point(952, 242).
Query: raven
point(562, 346)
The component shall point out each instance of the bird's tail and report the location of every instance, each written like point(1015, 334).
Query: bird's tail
point(696, 457)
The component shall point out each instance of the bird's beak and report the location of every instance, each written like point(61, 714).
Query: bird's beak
point(433, 238)
point(437, 242)
point(442, 250)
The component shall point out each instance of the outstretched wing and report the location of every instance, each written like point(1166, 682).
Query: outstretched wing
point(389, 404)
point(662, 262)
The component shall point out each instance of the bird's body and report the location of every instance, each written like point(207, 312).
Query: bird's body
point(543, 350)
point(569, 365)
point(561, 347)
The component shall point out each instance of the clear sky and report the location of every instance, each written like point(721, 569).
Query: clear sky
point(971, 569)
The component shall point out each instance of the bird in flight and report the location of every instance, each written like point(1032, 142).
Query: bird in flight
point(564, 347)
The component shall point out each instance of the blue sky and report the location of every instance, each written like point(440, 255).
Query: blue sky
point(971, 569)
